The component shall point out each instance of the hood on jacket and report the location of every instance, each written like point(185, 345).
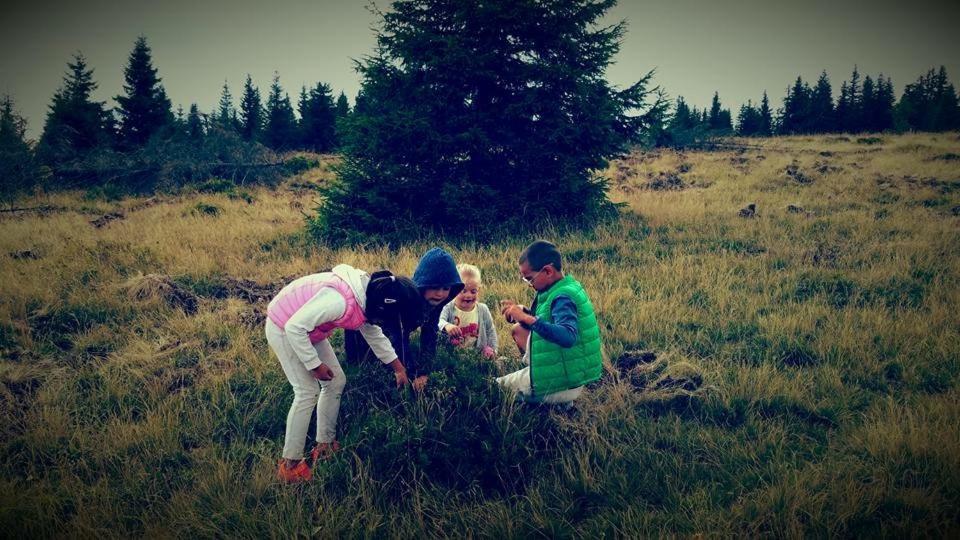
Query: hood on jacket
point(357, 279)
point(435, 270)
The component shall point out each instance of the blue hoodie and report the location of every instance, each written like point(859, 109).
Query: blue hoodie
point(435, 270)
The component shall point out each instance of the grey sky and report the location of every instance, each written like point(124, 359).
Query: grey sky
point(738, 48)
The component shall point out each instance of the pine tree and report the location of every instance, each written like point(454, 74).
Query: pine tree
point(868, 105)
point(75, 124)
point(251, 112)
point(749, 123)
point(714, 120)
point(849, 115)
point(822, 113)
point(766, 117)
point(796, 109)
point(463, 126)
point(144, 109)
point(929, 104)
point(17, 170)
point(226, 115)
point(885, 100)
point(194, 123)
point(343, 107)
point(318, 119)
point(280, 132)
point(341, 113)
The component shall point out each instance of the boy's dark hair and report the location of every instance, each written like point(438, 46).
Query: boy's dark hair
point(540, 254)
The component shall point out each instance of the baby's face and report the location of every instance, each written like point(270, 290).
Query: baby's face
point(435, 297)
point(469, 296)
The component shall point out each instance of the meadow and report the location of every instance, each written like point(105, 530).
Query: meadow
point(790, 370)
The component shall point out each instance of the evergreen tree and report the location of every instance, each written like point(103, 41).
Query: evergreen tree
point(482, 116)
point(251, 112)
point(280, 132)
point(749, 123)
point(226, 115)
point(796, 109)
point(343, 107)
point(719, 119)
point(849, 115)
point(75, 124)
point(766, 117)
point(341, 113)
point(822, 114)
point(144, 109)
point(318, 119)
point(714, 120)
point(868, 105)
point(17, 170)
point(194, 123)
point(929, 104)
point(885, 99)
point(842, 113)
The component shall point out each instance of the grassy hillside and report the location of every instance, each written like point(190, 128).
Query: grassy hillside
point(790, 372)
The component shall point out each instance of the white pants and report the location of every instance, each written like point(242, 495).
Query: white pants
point(518, 382)
point(308, 392)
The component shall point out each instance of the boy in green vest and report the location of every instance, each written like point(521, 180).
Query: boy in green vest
point(558, 335)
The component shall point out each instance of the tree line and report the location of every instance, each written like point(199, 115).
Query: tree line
point(143, 143)
point(471, 115)
point(865, 104)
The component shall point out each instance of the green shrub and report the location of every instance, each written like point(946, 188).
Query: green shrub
point(299, 164)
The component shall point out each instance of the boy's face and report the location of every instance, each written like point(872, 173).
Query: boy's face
point(540, 280)
point(435, 297)
point(469, 296)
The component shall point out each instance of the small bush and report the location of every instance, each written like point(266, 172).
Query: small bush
point(299, 164)
point(206, 209)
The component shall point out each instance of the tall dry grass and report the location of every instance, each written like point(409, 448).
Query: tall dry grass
point(804, 380)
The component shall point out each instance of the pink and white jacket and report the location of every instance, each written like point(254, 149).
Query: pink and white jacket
point(310, 308)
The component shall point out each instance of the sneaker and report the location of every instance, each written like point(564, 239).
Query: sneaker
point(298, 473)
point(324, 451)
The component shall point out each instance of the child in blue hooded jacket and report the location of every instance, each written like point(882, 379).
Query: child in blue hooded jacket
point(438, 281)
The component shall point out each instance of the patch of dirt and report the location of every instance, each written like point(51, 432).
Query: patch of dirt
point(824, 167)
point(252, 292)
point(146, 203)
point(107, 218)
point(795, 173)
point(666, 181)
point(23, 254)
point(159, 286)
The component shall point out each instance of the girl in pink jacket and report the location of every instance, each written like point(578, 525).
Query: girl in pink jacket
point(301, 318)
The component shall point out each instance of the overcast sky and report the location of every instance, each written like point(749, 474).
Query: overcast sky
point(737, 47)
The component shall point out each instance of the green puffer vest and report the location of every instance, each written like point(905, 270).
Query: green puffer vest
point(554, 368)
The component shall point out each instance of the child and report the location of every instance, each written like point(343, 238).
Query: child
point(299, 320)
point(437, 280)
point(466, 320)
point(559, 335)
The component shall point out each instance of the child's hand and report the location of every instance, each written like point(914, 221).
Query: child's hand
point(505, 305)
point(420, 383)
point(488, 352)
point(322, 373)
point(453, 330)
point(399, 372)
point(514, 313)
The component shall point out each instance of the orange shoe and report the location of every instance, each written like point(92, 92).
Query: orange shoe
point(324, 451)
point(292, 475)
